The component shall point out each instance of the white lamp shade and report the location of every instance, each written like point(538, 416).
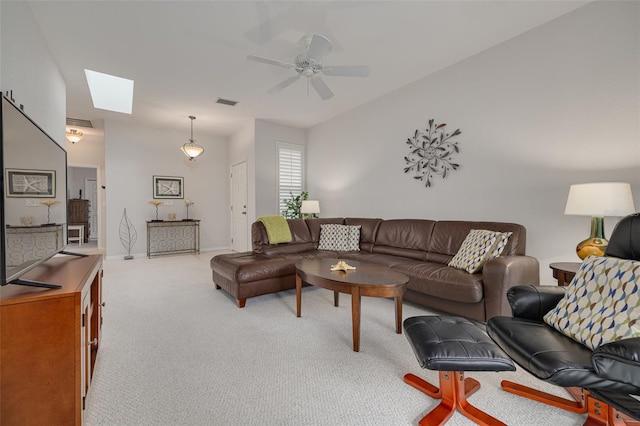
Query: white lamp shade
point(192, 150)
point(310, 207)
point(600, 199)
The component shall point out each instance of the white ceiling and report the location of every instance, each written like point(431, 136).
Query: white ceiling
point(184, 55)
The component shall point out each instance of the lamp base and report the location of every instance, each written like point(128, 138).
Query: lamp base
point(591, 247)
point(596, 244)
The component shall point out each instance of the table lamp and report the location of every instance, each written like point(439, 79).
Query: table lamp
point(311, 207)
point(598, 200)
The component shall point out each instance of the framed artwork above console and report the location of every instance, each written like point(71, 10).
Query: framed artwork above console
point(168, 187)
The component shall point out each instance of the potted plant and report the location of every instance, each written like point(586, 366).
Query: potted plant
point(293, 205)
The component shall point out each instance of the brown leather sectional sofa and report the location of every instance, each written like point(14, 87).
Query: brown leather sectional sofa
point(419, 248)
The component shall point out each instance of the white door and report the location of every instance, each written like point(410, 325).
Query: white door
point(91, 189)
point(239, 225)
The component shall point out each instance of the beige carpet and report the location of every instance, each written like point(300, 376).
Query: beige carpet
point(175, 351)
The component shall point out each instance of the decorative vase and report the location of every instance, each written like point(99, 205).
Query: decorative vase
point(596, 244)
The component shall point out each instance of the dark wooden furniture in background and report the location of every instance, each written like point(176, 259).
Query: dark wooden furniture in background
point(368, 279)
point(49, 340)
point(78, 212)
point(564, 271)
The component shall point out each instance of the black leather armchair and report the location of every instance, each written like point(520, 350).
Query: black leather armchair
point(601, 381)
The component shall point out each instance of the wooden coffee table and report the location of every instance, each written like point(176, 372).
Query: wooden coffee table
point(368, 279)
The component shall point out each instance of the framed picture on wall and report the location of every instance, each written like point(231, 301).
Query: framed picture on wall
point(168, 187)
point(31, 183)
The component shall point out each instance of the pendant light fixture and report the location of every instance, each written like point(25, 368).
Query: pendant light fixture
point(74, 135)
point(191, 149)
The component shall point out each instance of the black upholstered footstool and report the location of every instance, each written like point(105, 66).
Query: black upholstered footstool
point(453, 345)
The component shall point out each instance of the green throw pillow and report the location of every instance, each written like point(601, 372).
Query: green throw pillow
point(602, 303)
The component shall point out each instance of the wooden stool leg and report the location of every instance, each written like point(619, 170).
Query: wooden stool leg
point(454, 390)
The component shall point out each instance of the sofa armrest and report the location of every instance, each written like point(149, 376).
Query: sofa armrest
point(533, 301)
point(619, 361)
point(502, 273)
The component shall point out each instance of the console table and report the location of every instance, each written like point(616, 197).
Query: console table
point(25, 243)
point(49, 341)
point(173, 237)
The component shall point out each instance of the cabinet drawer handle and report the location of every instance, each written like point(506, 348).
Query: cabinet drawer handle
point(103, 304)
point(94, 342)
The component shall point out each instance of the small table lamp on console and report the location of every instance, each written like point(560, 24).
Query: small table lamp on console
point(598, 200)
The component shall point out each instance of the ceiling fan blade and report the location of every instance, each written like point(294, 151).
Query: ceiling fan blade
point(321, 87)
point(289, 81)
point(347, 70)
point(271, 61)
point(319, 47)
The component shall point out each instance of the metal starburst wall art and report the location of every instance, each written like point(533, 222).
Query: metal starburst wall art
point(432, 152)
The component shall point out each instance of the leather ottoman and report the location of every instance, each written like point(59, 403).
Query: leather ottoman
point(453, 345)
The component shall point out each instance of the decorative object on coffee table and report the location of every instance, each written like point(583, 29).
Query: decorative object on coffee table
point(342, 266)
point(432, 152)
point(49, 203)
point(598, 200)
point(156, 203)
point(128, 234)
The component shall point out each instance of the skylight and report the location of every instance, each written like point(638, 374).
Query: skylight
point(110, 92)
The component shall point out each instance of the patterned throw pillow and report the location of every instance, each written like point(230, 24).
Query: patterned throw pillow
point(602, 303)
point(339, 237)
point(478, 248)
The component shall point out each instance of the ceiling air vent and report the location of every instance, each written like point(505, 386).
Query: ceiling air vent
point(78, 122)
point(226, 102)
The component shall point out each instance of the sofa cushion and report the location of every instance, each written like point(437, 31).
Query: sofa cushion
point(442, 281)
point(448, 235)
point(602, 303)
point(478, 248)
point(368, 231)
point(404, 237)
point(339, 237)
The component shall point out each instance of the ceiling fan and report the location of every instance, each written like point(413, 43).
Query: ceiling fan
point(309, 64)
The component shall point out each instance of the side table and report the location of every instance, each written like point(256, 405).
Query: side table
point(564, 271)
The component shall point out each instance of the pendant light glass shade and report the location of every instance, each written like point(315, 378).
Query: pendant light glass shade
point(74, 135)
point(191, 149)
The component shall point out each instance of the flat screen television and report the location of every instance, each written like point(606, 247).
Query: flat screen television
point(34, 195)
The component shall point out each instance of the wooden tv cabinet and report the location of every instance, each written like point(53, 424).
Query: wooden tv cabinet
point(49, 339)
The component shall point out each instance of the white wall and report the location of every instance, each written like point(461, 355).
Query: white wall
point(135, 153)
point(555, 106)
point(28, 69)
point(267, 135)
point(76, 177)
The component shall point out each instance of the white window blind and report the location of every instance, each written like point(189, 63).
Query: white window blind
point(290, 172)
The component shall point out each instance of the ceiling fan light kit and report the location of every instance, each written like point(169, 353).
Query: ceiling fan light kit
point(309, 64)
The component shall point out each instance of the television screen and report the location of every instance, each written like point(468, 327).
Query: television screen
point(34, 194)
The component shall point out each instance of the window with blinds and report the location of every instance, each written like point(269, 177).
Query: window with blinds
point(290, 172)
